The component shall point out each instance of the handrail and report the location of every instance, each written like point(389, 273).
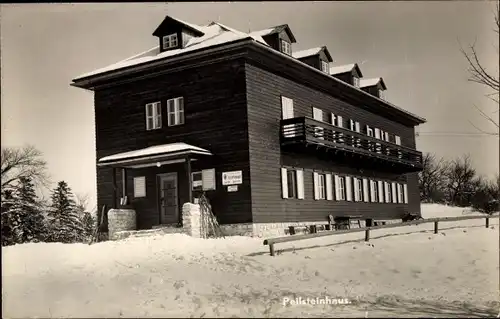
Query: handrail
point(272, 241)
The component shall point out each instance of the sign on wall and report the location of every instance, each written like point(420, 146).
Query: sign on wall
point(232, 178)
point(232, 188)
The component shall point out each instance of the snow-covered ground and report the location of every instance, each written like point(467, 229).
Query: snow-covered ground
point(406, 271)
point(438, 210)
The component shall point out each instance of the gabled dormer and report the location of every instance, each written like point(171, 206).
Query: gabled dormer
point(318, 58)
point(174, 33)
point(279, 38)
point(374, 86)
point(349, 73)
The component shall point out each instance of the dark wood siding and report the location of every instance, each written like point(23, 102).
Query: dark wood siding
point(215, 119)
point(264, 90)
point(312, 61)
point(346, 77)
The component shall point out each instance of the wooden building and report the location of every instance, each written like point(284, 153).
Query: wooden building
point(272, 136)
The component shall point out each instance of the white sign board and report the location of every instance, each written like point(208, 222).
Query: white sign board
point(197, 183)
point(232, 178)
point(232, 188)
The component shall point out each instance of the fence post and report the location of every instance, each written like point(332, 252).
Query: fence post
point(367, 234)
point(271, 249)
point(436, 227)
point(487, 222)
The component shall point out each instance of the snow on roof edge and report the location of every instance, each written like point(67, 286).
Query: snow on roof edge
point(154, 150)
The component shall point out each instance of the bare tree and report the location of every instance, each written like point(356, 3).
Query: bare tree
point(432, 178)
point(481, 75)
point(461, 181)
point(18, 163)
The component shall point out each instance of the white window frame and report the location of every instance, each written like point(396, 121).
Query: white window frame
point(138, 194)
point(340, 186)
point(170, 41)
point(369, 131)
point(285, 47)
point(319, 180)
point(397, 139)
point(287, 113)
point(400, 193)
point(355, 81)
point(325, 66)
point(175, 108)
point(153, 116)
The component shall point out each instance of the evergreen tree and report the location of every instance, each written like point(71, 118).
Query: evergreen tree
point(11, 219)
point(31, 215)
point(65, 223)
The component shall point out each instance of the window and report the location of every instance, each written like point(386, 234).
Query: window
point(197, 181)
point(321, 186)
point(397, 139)
point(140, 186)
point(352, 125)
point(381, 94)
point(355, 81)
point(170, 41)
point(358, 189)
point(369, 131)
point(400, 193)
point(374, 192)
point(287, 113)
point(340, 187)
point(324, 67)
point(292, 183)
point(388, 197)
point(153, 116)
point(175, 111)
point(286, 47)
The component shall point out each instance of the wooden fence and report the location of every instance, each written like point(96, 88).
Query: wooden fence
point(273, 241)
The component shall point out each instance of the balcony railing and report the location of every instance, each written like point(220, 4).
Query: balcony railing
point(306, 131)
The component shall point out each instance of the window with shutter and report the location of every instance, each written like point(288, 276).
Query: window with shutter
point(373, 191)
point(284, 183)
point(387, 193)
point(405, 193)
point(175, 111)
point(287, 113)
point(153, 116)
point(318, 115)
point(292, 183)
point(393, 193)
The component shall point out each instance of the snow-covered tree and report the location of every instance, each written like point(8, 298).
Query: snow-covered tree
point(64, 220)
point(32, 218)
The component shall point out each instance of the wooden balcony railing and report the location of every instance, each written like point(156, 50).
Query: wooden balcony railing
point(305, 130)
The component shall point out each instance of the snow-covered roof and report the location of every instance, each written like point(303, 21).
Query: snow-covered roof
point(276, 29)
point(214, 34)
point(308, 52)
point(371, 82)
point(153, 152)
point(342, 68)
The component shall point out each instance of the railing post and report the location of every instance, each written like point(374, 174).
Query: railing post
point(367, 234)
point(271, 249)
point(436, 227)
point(487, 222)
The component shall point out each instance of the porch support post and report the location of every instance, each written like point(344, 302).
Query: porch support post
point(114, 189)
point(190, 182)
point(124, 182)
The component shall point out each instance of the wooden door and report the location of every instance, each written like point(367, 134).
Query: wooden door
point(168, 198)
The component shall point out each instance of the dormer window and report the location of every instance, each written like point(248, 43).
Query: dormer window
point(381, 94)
point(324, 67)
point(286, 47)
point(170, 41)
point(355, 81)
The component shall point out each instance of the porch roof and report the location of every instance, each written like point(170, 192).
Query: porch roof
point(151, 155)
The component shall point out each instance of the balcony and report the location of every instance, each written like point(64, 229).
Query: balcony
point(344, 145)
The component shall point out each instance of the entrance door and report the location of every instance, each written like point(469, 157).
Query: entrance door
point(168, 198)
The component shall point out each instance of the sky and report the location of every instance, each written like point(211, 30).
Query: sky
point(414, 46)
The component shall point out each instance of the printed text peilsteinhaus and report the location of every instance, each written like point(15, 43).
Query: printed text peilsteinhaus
point(315, 301)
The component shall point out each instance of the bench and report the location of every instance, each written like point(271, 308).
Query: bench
point(345, 222)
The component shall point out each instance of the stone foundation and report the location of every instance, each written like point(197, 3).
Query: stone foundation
point(121, 220)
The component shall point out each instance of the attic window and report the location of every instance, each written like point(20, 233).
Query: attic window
point(381, 94)
point(170, 41)
point(286, 47)
point(324, 66)
point(355, 81)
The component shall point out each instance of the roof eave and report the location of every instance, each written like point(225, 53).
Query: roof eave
point(327, 53)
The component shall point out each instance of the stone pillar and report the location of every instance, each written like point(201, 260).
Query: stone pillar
point(120, 220)
point(191, 220)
